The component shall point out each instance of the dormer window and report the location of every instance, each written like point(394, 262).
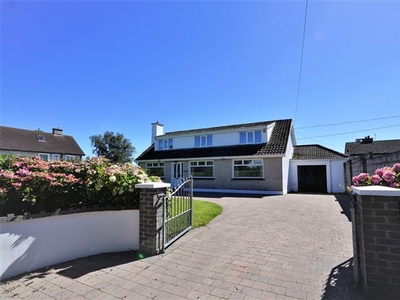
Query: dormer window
point(250, 137)
point(165, 144)
point(41, 138)
point(203, 141)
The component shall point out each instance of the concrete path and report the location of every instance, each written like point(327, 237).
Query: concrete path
point(279, 247)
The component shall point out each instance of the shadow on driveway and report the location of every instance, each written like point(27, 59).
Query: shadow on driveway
point(344, 201)
point(339, 283)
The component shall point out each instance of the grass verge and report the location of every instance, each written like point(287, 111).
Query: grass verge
point(204, 212)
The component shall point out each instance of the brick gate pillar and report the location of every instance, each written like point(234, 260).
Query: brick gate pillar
point(378, 223)
point(151, 235)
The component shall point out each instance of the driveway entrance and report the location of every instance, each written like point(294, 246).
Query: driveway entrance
point(280, 247)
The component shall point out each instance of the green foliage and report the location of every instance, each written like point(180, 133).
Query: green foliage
point(113, 146)
point(29, 184)
point(204, 212)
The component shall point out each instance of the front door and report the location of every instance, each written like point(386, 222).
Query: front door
point(177, 174)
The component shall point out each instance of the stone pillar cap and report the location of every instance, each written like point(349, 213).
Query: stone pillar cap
point(152, 185)
point(376, 190)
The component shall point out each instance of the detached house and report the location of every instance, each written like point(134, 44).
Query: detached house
point(243, 158)
point(48, 146)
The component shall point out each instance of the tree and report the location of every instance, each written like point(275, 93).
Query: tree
point(115, 147)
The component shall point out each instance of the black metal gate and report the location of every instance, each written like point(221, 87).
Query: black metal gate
point(178, 216)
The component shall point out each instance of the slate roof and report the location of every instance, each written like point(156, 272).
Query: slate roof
point(316, 152)
point(276, 145)
point(15, 139)
point(376, 147)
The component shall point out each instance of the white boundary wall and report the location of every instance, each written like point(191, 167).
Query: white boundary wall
point(33, 244)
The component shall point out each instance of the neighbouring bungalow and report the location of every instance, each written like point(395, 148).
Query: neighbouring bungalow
point(47, 146)
point(255, 158)
point(366, 155)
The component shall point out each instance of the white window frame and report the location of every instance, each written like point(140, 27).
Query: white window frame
point(203, 140)
point(250, 137)
point(69, 157)
point(164, 144)
point(201, 164)
point(248, 162)
point(44, 154)
point(55, 157)
point(156, 165)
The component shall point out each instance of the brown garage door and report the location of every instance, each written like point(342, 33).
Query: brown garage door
point(312, 179)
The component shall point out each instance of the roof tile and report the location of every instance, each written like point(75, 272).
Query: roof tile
point(15, 139)
point(315, 152)
point(276, 146)
point(376, 147)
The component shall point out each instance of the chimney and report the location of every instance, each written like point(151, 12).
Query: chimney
point(57, 131)
point(157, 129)
point(366, 140)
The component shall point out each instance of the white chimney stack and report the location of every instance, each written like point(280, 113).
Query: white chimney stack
point(157, 129)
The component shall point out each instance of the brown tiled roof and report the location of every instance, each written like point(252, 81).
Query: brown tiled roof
point(15, 139)
point(376, 147)
point(276, 145)
point(315, 152)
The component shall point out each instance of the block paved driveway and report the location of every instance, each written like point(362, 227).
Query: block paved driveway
point(279, 247)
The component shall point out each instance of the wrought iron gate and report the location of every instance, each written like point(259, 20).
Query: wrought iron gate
point(178, 217)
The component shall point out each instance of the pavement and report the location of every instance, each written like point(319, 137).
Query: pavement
point(296, 246)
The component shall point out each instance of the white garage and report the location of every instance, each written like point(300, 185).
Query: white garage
point(316, 169)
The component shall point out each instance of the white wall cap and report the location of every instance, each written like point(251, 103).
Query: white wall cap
point(376, 190)
point(152, 185)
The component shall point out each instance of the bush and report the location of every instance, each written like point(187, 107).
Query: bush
point(386, 176)
point(29, 184)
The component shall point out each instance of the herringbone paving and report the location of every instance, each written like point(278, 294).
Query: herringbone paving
point(295, 246)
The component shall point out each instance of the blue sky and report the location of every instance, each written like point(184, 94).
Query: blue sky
point(95, 66)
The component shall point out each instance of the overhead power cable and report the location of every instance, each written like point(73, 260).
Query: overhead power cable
point(348, 132)
point(348, 122)
point(301, 61)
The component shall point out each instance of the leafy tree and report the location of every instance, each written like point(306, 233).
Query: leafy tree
point(113, 146)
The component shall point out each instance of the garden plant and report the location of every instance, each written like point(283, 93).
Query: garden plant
point(386, 176)
point(32, 185)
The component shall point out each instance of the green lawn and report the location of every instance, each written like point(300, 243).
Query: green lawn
point(204, 212)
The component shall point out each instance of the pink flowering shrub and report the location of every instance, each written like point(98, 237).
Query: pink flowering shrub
point(386, 176)
point(29, 184)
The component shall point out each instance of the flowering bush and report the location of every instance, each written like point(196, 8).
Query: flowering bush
point(29, 184)
point(386, 176)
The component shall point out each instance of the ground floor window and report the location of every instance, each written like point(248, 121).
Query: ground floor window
point(44, 156)
point(69, 157)
point(248, 168)
point(55, 156)
point(202, 169)
point(155, 169)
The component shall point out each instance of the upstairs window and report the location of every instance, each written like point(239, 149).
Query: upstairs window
point(155, 169)
point(248, 168)
point(165, 144)
point(203, 141)
point(250, 137)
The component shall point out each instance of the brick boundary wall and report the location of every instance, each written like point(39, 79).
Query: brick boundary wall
point(378, 218)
